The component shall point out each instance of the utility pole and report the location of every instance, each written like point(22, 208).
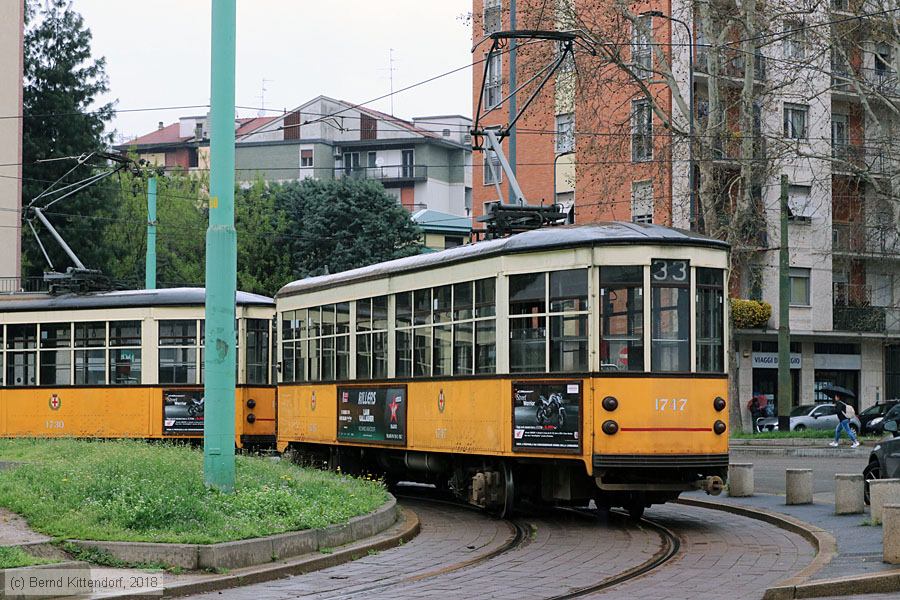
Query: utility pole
point(512, 99)
point(221, 259)
point(150, 267)
point(784, 315)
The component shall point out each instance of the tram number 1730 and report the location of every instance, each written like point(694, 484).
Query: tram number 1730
point(673, 404)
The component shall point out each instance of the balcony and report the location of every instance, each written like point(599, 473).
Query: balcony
point(881, 80)
point(866, 319)
point(865, 240)
point(858, 158)
point(386, 174)
point(16, 285)
point(731, 64)
point(730, 148)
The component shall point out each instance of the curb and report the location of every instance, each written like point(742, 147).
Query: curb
point(801, 451)
point(405, 529)
point(798, 586)
point(255, 551)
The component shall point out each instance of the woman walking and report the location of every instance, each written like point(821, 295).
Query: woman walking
point(843, 423)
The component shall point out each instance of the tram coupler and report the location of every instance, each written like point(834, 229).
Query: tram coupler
point(712, 485)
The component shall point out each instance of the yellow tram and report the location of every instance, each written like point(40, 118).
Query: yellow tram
point(560, 365)
point(126, 364)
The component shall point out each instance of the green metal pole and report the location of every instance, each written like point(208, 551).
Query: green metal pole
point(221, 259)
point(784, 317)
point(150, 268)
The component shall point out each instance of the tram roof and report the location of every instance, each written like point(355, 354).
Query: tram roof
point(615, 233)
point(123, 299)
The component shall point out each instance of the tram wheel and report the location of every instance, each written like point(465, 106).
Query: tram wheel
point(505, 506)
point(635, 511)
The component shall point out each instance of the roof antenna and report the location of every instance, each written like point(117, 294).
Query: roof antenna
point(390, 69)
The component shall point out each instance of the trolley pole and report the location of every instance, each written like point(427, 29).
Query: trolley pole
point(221, 259)
point(150, 267)
point(784, 316)
point(513, 199)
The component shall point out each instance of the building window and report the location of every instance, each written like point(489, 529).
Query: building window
point(368, 127)
point(641, 131)
point(561, 298)
point(351, 163)
point(622, 319)
point(710, 317)
point(799, 286)
point(492, 172)
point(840, 136)
point(371, 160)
point(641, 45)
point(306, 158)
point(642, 202)
point(493, 16)
point(670, 315)
point(795, 121)
point(291, 126)
point(799, 206)
point(493, 85)
point(794, 39)
point(565, 133)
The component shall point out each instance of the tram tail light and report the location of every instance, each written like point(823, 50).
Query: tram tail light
point(251, 418)
point(719, 404)
point(610, 427)
point(610, 403)
point(251, 403)
point(719, 427)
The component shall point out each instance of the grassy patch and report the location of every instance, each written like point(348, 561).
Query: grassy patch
point(154, 492)
point(806, 434)
point(10, 558)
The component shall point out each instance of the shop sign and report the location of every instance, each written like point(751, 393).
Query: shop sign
point(769, 360)
point(838, 362)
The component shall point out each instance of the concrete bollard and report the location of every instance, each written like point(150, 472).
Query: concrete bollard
point(881, 492)
point(891, 533)
point(740, 480)
point(798, 486)
point(849, 496)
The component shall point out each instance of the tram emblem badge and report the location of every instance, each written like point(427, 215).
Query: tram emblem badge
point(441, 403)
point(54, 402)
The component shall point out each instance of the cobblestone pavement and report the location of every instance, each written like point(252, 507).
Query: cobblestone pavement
point(722, 556)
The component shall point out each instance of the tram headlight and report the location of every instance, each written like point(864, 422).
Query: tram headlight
point(251, 403)
point(610, 403)
point(610, 427)
point(719, 404)
point(251, 418)
point(719, 427)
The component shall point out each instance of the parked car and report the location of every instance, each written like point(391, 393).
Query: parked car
point(872, 419)
point(809, 416)
point(884, 461)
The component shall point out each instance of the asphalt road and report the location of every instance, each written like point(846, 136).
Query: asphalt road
point(768, 471)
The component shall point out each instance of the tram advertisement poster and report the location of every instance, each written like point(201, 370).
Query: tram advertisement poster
point(547, 416)
point(372, 414)
point(183, 412)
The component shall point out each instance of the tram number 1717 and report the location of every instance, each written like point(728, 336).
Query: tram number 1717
point(674, 404)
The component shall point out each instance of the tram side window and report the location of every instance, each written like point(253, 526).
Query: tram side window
point(371, 338)
point(178, 351)
point(257, 349)
point(288, 340)
point(56, 353)
point(21, 356)
point(485, 326)
point(90, 355)
point(125, 352)
point(320, 348)
point(622, 318)
point(670, 317)
point(569, 320)
point(710, 320)
point(527, 322)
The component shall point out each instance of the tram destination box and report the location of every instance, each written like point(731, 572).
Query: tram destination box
point(547, 416)
point(372, 414)
point(183, 412)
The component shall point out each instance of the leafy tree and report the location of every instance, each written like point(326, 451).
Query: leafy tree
point(336, 225)
point(264, 265)
point(61, 84)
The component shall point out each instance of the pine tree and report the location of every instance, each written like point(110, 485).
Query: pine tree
point(62, 82)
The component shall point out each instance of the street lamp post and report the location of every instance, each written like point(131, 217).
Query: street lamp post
point(656, 13)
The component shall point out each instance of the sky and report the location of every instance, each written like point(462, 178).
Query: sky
point(158, 55)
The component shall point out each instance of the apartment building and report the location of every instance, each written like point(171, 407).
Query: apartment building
point(425, 163)
point(809, 94)
point(12, 26)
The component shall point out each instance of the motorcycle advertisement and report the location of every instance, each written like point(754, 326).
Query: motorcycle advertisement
point(372, 414)
point(547, 416)
point(182, 412)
